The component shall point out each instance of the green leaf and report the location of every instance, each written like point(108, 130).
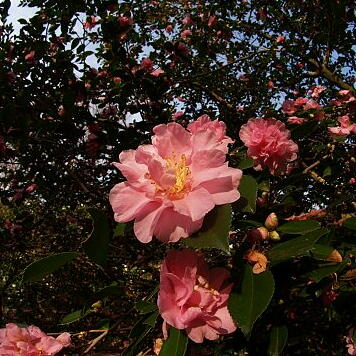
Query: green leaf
point(277, 341)
point(248, 190)
point(245, 163)
point(74, 316)
point(144, 307)
point(119, 229)
point(97, 244)
point(175, 345)
point(325, 271)
point(105, 292)
point(350, 223)
point(299, 227)
point(299, 246)
point(321, 252)
point(215, 230)
point(40, 268)
point(247, 304)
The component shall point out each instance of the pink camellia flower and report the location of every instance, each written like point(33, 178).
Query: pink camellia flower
point(212, 21)
point(125, 21)
point(31, 341)
point(117, 80)
point(185, 33)
point(350, 343)
point(311, 104)
point(280, 39)
point(177, 115)
point(30, 57)
point(218, 128)
point(268, 142)
point(169, 28)
point(345, 129)
point(288, 107)
point(157, 72)
point(316, 91)
point(174, 182)
point(296, 120)
point(300, 101)
point(194, 297)
point(90, 23)
point(188, 21)
point(270, 84)
point(147, 64)
point(346, 96)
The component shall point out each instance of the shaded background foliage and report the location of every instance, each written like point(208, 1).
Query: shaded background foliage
point(63, 122)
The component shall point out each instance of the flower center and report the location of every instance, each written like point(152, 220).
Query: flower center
point(203, 284)
point(178, 170)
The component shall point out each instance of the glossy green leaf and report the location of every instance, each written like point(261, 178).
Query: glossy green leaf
point(299, 246)
point(245, 163)
point(74, 316)
point(248, 190)
point(325, 271)
point(299, 227)
point(41, 268)
point(144, 307)
point(176, 344)
point(350, 223)
point(247, 304)
point(215, 230)
point(321, 252)
point(97, 245)
point(277, 341)
point(119, 229)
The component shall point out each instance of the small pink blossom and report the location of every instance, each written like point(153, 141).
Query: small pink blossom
point(345, 129)
point(194, 297)
point(280, 39)
point(147, 64)
point(116, 80)
point(125, 21)
point(270, 84)
point(296, 120)
point(31, 188)
point(269, 144)
point(30, 57)
point(288, 107)
point(186, 33)
point(169, 28)
point(350, 343)
point(311, 105)
point(174, 182)
point(316, 91)
point(212, 21)
point(188, 21)
point(177, 115)
point(346, 96)
point(300, 101)
point(30, 341)
point(157, 72)
point(91, 23)
point(181, 49)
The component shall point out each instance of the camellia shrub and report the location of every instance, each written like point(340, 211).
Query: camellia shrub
point(178, 178)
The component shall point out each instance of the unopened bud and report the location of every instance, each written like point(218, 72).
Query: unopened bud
point(258, 234)
point(334, 256)
point(274, 236)
point(271, 222)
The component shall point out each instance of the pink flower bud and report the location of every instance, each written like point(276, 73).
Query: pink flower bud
point(271, 221)
point(169, 28)
point(274, 236)
point(280, 39)
point(31, 188)
point(258, 234)
point(212, 21)
point(116, 80)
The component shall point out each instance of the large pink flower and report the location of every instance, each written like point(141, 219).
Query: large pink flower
point(345, 128)
point(31, 341)
point(268, 142)
point(194, 298)
point(173, 183)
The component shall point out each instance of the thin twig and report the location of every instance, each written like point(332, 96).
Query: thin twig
point(96, 340)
